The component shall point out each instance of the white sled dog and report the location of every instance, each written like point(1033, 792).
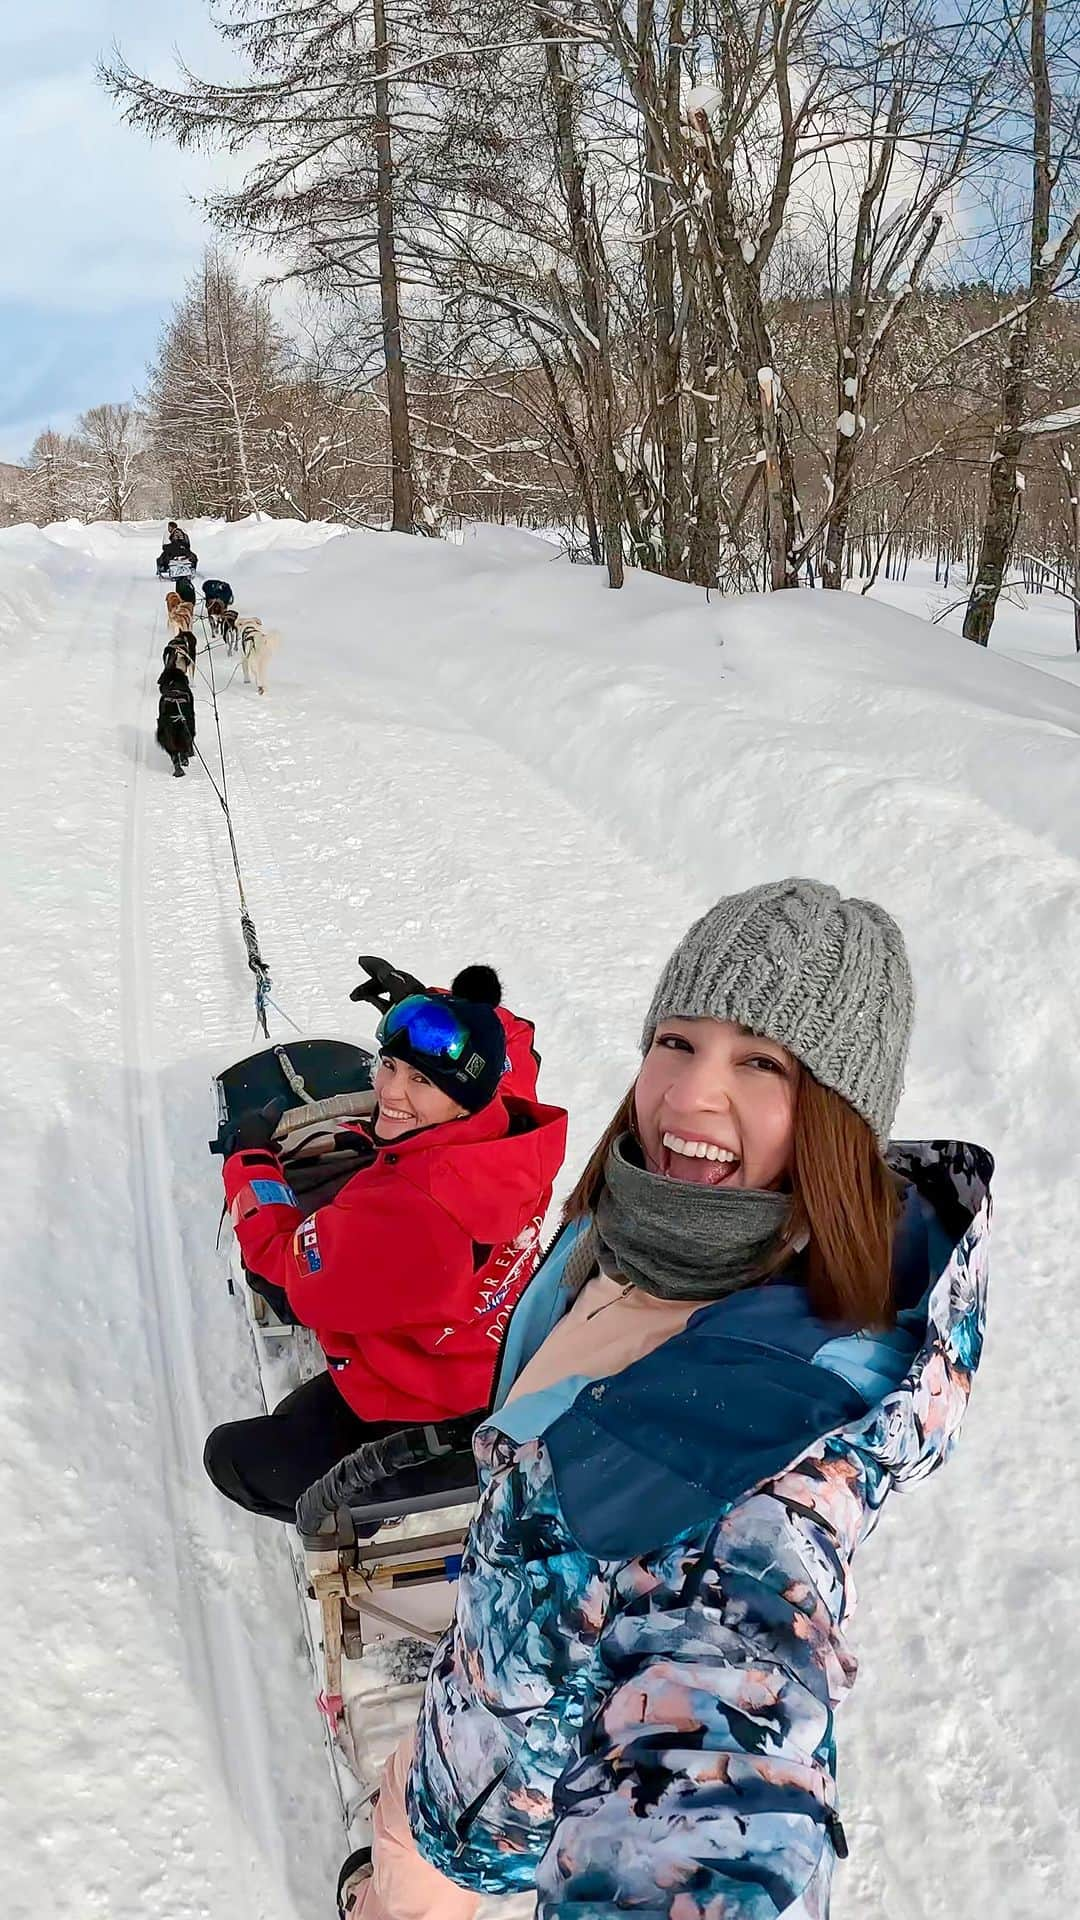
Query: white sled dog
point(257, 644)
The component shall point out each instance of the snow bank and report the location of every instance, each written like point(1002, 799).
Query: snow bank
point(222, 546)
point(511, 544)
point(26, 598)
point(1036, 628)
point(32, 567)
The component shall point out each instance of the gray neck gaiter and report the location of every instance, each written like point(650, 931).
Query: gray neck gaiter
point(681, 1242)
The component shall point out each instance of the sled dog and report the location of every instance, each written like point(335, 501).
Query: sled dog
point(178, 613)
point(180, 652)
point(256, 646)
point(218, 615)
point(175, 732)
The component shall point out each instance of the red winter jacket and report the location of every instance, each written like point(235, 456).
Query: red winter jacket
point(409, 1274)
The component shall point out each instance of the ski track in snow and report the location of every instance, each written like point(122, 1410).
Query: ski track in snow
point(185, 1776)
point(413, 784)
point(226, 1674)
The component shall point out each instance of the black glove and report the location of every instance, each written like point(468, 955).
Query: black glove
point(386, 985)
point(253, 1129)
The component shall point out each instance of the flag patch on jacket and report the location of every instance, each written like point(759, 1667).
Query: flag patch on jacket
point(260, 1193)
point(273, 1193)
point(306, 1244)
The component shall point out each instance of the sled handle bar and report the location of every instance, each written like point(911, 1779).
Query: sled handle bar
point(338, 1106)
point(323, 1510)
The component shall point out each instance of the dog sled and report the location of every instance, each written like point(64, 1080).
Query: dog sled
point(379, 1538)
point(180, 567)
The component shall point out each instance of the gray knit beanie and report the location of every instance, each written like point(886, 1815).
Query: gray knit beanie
point(826, 977)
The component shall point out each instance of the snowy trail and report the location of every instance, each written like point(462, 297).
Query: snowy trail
point(168, 1776)
point(226, 1673)
point(465, 756)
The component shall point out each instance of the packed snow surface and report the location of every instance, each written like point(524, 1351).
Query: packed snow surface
point(477, 752)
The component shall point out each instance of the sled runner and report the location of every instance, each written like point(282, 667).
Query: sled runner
point(379, 1540)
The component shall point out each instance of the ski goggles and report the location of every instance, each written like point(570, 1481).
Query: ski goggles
point(428, 1026)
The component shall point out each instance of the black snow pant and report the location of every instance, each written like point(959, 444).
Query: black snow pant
point(265, 1464)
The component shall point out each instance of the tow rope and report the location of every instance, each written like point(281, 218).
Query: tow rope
point(263, 982)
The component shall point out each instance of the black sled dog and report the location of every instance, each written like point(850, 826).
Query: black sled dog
point(180, 652)
point(176, 717)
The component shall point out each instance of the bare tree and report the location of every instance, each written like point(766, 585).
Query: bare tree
point(115, 439)
point(396, 393)
point(896, 155)
point(683, 276)
point(210, 394)
point(308, 443)
point(348, 110)
point(1072, 500)
point(1054, 121)
point(59, 484)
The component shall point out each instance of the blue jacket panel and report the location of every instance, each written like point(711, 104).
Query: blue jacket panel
point(760, 1378)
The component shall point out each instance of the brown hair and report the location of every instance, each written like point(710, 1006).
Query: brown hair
point(844, 1204)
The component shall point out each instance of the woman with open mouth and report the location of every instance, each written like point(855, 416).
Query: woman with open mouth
point(757, 1319)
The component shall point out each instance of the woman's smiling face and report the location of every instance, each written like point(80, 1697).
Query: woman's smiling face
point(408, 1100)
point(715, 1105)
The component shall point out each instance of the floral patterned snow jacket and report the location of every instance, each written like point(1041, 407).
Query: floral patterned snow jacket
point(633, 1708)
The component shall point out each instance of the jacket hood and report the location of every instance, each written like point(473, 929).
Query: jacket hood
point(757, 1382)
point(486, 1171)
point(522, 1059)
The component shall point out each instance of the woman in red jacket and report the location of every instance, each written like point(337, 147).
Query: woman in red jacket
point(408, 1275)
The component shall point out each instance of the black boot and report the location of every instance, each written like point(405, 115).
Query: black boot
point(356, 1870)
point(177, 767)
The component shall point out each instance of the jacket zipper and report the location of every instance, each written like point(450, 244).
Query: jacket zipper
point(496, 1377)
point(469, 1815)
point(835, 1828)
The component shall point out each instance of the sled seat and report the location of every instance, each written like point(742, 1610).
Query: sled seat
point(328, 1078)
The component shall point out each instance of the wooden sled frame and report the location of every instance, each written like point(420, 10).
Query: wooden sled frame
point(383, 1535)
point(368, 1596)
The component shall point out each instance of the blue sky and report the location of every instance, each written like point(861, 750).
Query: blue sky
point(99, 228)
